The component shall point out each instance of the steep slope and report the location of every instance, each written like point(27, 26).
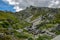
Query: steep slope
point(44, 21)
point(33, 23)
point(35, 12)
point(9, 23)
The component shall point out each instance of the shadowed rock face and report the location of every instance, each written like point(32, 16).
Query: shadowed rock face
point(33, 29)
point(58, 27)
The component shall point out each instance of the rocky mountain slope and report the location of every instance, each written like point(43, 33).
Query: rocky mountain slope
point(32, 23)
point(43, 19)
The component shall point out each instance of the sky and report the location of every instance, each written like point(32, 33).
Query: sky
point(18, 5)
point(6, 7)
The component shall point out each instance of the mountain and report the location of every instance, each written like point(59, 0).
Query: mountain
point(41, 18)
point(35, 11)
point(32, 23)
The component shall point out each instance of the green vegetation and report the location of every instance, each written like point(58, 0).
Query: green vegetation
point(9, 23)
point(44, 37)
point(9, 20)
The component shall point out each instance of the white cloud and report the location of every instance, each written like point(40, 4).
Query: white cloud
point(54, 3)
point(22, 4)
point(57, 2)
point(17, 8)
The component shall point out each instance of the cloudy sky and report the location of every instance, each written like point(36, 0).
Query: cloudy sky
point(18, 5)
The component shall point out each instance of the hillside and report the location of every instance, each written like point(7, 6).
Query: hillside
point(43, 19)
point(9, 23)
point(32, 23)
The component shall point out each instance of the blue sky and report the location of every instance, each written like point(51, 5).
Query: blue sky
point(5, 6)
